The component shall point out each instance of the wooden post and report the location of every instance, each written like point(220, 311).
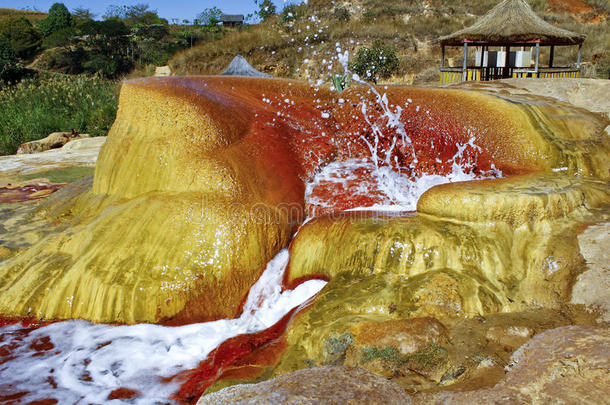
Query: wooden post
point(464, 70)
point(442, 56)
point(552, 56)
point(537, 56)
point(506, 70)
point(579, 56)
point(482, 61)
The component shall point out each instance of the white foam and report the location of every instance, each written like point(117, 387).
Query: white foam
point(89, 361)
point(400, 191)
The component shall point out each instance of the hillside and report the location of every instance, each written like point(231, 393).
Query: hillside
point(302, 41)
point(33, 16)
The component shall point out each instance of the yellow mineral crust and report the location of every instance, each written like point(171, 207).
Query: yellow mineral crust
point(189, 200)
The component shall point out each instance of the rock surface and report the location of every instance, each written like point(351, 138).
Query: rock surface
point(567, 365)
point(77, 153)
point(589, 94)
point(592, 288)
point(323, 385)
point(54, 140)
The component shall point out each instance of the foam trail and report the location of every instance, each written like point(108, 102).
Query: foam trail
point(88, 361)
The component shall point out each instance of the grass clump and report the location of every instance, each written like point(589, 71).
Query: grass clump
point(428, 357)
point(35, 107)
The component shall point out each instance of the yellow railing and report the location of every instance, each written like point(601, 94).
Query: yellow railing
point(456, 76)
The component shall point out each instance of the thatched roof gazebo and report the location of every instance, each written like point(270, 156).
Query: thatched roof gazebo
point(511, 23)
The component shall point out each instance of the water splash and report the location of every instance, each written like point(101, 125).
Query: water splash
point(80, 362)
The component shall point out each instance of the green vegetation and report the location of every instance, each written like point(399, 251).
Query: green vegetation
point(59, 18)
point(428, 357)
point(22, 36)
point(378, 61)
point(266, 9)
point(10, 69)
point(36, 107)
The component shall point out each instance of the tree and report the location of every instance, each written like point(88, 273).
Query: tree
point(59, 18)
point(22, 36)
point(266, 8)
point(378, 61)
point(209, 18)
point(133, 15)
point(81, 14)
point(108, 44)
point(62, 37)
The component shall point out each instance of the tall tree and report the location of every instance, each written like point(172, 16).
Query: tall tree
point(81, 14)
point(59, 18)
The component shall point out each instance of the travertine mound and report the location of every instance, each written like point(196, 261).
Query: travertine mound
point(201, 182)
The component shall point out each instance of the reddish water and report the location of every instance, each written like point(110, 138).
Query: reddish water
point(27, 193)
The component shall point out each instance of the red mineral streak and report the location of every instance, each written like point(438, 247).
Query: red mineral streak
point(232, 354)
point(123, 393)
point(27, 193)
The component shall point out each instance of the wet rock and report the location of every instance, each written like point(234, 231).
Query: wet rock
point(592, 288)
point(567, 365)
point(509, 336)
point(406, 335)
point(328, 385)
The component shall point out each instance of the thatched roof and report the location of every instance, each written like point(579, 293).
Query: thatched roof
point(239, 66)
point(513, 21)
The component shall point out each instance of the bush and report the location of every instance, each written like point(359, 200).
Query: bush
point(22, 36)
point(34, 108)
point(10, 70)
point(379, 61)
point(341, 14)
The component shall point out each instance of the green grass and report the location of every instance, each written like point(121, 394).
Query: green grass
point(35, 107)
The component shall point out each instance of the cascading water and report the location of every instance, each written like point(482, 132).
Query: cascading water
point(80, 362)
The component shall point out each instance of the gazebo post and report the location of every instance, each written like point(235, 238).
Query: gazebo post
point(442, 56)
point(552, 56)
point(537, 56)
point(464, 71)
point(579, 55)
point(506, 72)
point(482, 62)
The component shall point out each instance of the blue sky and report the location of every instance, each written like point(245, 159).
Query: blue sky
point(182, 9)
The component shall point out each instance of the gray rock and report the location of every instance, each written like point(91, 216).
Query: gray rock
point(239, 66)
point(322, 385)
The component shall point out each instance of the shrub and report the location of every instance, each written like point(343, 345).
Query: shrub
point(341, 14)
point(379, 61)
point(23, 37)
point(10, 70)
point(35, 107)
